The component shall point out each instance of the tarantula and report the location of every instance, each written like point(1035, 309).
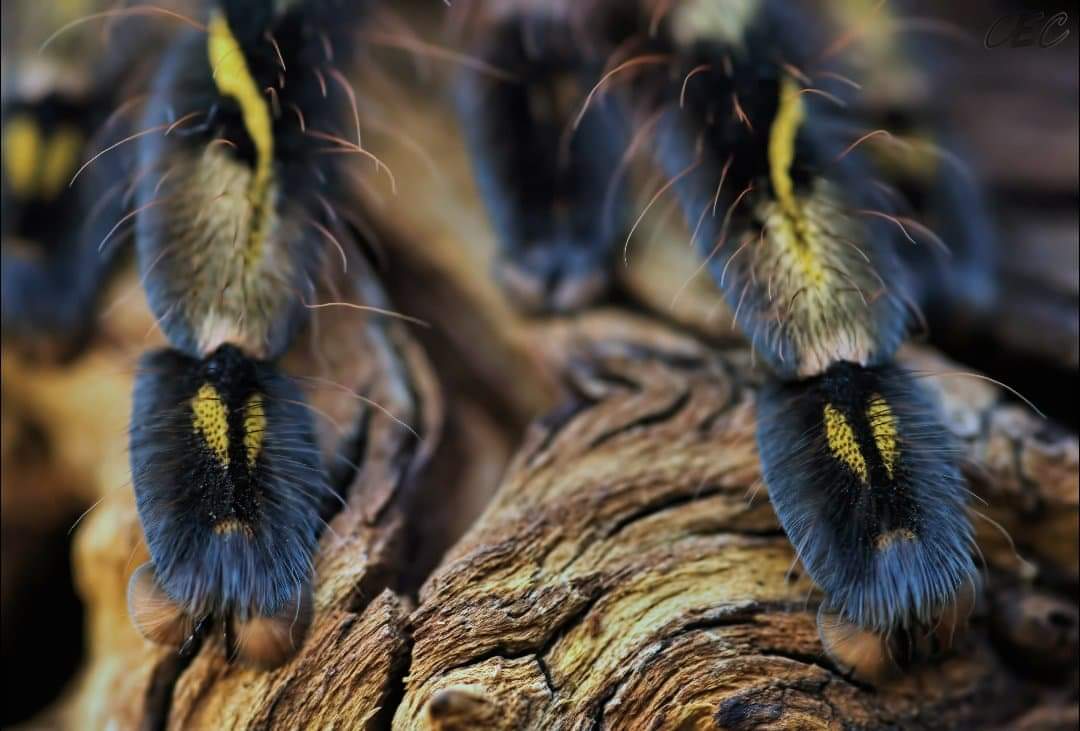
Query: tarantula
point(236, 179)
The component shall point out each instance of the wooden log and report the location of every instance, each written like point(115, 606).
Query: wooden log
point(628, 573)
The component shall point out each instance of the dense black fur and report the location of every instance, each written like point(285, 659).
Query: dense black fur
point(311, 34)
point(550, 190)
point(835, 521)
point(183, 491)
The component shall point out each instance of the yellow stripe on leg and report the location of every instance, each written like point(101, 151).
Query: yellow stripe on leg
point(210, 419)
point(782, 135)
point(22, 147)
point(842, 442)
point(883, 426)
point(59, 162)
point(254, 428)
point(233, 79)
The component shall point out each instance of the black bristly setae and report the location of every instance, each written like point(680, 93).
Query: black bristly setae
point(224, 458)
point(863, 477)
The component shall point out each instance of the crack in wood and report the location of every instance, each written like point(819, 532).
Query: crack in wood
point(659, 416)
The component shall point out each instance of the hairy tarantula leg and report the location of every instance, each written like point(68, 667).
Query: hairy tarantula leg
point(748, 145)
point(232, 213)
point(234, 220)
point(548, 184)
point(954, 263)
point(56, 259)
point(920, 155)
point(228, 482)
point(861, 473)
point(64, 235)
point(859, 467)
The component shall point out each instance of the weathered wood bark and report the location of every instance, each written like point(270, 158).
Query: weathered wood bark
point(628, 573)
